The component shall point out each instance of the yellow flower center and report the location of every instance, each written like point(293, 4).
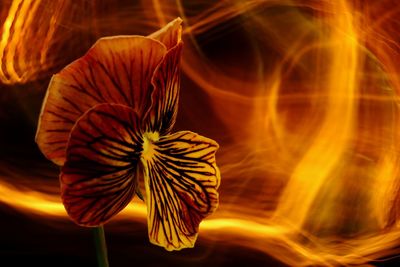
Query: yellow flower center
point(148, 144)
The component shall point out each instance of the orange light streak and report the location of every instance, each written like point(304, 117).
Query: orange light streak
point(31, 33)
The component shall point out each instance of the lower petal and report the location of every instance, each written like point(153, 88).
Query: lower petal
point(97, 179)
point(181, 180)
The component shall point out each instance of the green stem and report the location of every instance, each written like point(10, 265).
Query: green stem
point(101, 247)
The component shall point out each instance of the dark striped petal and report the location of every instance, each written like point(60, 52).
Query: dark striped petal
point(166, 81)
point(181, 180)
point(115, 70)
point(97, 179)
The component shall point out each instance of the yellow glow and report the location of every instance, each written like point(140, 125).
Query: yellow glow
point(38, 203)
point(332, 139)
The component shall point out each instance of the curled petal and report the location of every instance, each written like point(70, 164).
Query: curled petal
point(181, 181)
point(170, 34)
point(115, 70)
point(166, 82)
point(97, 179)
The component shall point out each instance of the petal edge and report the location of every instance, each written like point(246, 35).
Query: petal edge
point(170, 35)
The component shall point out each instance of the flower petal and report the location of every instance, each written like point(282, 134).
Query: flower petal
point(170, 34)
point(166, 82)
point(181, 180)
point(97, 180)
point(115, 70)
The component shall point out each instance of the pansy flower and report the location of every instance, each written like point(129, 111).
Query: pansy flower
point(107, 119)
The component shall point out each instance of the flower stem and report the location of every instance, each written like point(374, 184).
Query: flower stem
point(101, 247)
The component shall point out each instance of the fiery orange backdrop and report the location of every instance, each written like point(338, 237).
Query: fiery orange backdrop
point(302, 96)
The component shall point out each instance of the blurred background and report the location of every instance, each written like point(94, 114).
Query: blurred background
point(302, 96)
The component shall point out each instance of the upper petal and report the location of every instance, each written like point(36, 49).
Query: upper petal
point(166, 80)
point(170, 35)
point(115, 70)
point(181, 180)
point(97, 179)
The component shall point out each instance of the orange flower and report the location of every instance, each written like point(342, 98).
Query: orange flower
point(108, 116)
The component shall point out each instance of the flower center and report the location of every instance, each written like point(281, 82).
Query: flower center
point(148, 144)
